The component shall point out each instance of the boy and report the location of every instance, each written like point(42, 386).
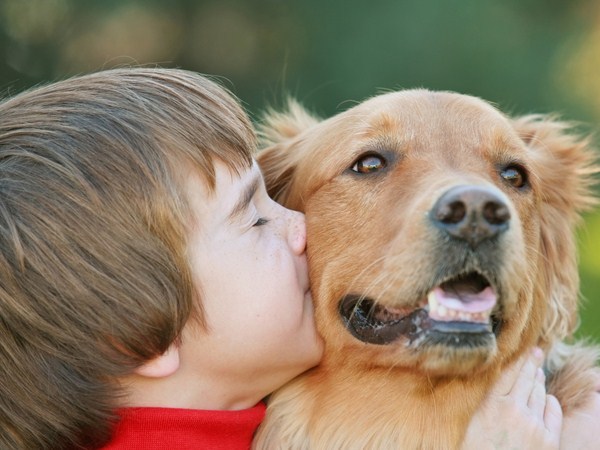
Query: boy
point(103, 182)
point(151, 294)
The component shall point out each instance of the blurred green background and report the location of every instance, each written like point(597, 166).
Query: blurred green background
point(523, 55)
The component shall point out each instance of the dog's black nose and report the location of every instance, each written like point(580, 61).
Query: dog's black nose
point(471, 213)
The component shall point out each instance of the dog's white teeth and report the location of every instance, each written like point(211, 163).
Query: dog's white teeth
point(432, 301)
point(440, 312)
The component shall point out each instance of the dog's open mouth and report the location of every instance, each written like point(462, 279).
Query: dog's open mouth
point(461, 308)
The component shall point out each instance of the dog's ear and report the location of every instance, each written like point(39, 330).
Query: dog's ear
point(279, 156)
point(564, 167)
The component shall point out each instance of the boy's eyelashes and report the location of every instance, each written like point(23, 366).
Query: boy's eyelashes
point(261, 221)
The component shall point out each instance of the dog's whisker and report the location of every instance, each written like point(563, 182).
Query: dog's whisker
point(369, 268)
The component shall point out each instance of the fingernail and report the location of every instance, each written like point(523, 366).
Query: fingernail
point(538, 353)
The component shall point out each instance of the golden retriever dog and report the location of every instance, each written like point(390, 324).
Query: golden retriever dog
point(441, 247)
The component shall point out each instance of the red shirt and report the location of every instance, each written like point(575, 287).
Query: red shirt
point(185, 429)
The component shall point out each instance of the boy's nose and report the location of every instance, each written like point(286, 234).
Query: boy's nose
point(297, 232)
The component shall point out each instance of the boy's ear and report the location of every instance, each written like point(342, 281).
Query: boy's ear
point(161, 366)
point(564, 166)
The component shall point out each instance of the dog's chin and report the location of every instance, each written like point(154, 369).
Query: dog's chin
point(451, 330)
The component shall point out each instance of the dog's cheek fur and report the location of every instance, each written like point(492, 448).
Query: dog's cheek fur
point(341, 262)
point(357, 256)
point(564, 167)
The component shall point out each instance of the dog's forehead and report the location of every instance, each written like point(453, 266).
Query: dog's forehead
point(415, 102)
point(427, 119)
point(420, 109)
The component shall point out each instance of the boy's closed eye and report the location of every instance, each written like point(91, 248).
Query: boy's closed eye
point(261, 221)
point(242, 205)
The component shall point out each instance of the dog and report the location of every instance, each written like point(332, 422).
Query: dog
point(441, 247)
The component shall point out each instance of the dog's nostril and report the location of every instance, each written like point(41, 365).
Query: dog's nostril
point(452, 212)
point(496, 213)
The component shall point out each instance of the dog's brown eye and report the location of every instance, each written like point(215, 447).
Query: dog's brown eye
point(515, 176)
point(369, 163)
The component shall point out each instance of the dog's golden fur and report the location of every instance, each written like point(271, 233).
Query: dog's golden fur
point(370, 234)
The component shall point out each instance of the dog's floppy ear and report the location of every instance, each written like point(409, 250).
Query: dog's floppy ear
point(279, 156)
point(564, 170)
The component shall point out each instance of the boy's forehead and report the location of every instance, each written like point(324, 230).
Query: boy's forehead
point(232, 193)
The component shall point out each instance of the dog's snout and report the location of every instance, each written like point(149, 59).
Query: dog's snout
point(471, 213)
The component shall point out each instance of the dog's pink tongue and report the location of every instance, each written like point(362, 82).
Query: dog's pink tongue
point(466, 301)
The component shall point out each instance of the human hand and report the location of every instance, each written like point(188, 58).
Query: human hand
point(580, 427)
point(517, 413)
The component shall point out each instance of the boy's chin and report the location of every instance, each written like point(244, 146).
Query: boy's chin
point(314, 354)
point(308, 356)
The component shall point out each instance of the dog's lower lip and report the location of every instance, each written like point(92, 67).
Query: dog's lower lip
point(378, 325)
point(357, 313)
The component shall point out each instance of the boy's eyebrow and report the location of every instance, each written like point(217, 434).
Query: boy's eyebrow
point(244, 199)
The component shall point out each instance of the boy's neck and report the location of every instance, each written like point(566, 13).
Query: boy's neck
point(177, 392)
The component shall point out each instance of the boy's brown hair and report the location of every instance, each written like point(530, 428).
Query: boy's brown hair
point(93, 275)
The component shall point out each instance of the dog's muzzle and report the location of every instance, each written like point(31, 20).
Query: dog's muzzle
point(462, 307)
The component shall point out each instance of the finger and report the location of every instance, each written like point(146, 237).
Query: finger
point(508, 377)
point(526, 379)
point(553, 417)
point(537, 397)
